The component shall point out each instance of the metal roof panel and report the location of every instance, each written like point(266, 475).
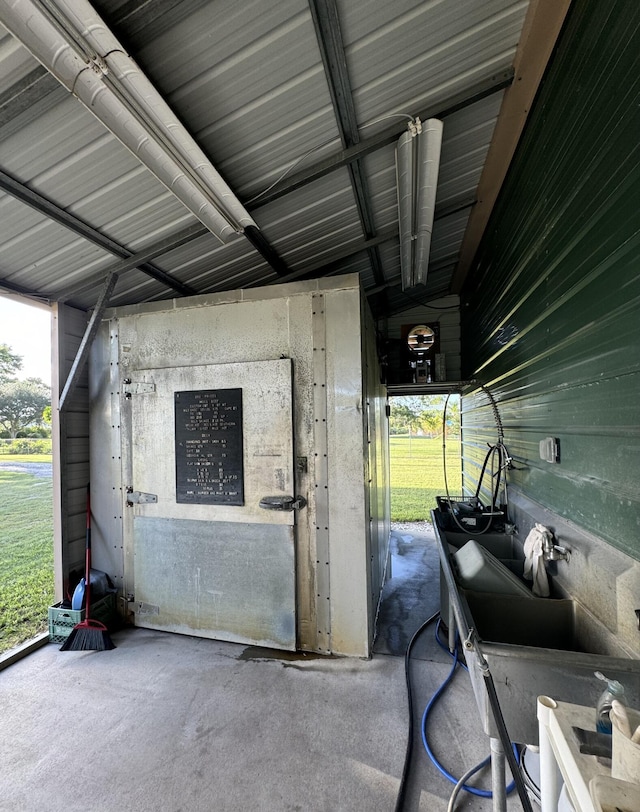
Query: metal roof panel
point(405, 55)
point(248, 81)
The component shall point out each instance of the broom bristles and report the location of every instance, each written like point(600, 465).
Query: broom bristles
point(89, 635)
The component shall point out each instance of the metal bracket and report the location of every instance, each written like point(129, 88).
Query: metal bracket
point(142, 608)
point(469, 642)
point(282, 502)
point(140, 498)
point(130, 388)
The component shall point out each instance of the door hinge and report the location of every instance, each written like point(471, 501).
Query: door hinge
point(140, 498)
point(130, 388)
point(142, 608)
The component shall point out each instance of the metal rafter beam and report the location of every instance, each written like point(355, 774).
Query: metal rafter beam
point(11, 287)
point(326, 21)
point(327, 269)
point(493, 84)
point(170, 243)
point(266, 250)
point(56, 213)
point(28, 98)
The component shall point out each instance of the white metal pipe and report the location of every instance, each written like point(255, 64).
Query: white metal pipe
point(417, 167)
point(429, 143)
point(498, 776)
point(548, 769)
point(78, 48)
point(452, 628)
point(404, 179)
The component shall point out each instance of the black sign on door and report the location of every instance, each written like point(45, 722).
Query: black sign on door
point(208, 441)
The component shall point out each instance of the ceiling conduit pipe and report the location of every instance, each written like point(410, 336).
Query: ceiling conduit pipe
point(417, 167)
point(76, 46)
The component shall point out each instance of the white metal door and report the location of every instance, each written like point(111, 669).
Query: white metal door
point(208, 444)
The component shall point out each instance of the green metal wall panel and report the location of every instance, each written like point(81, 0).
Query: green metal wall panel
point(551, 312)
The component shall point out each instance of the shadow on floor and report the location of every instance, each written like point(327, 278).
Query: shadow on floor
point(171, 723)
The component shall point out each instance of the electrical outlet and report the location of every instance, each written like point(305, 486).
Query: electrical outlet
point(550, 449)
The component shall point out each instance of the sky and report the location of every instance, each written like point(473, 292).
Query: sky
point(27, 330)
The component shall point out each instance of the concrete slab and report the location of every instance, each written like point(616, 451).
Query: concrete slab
point(167, 722)
point(175, 723)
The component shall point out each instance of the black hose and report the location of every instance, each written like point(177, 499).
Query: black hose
point(402, 790)
point(482, 471)
point(501, 451)
point(502, 457)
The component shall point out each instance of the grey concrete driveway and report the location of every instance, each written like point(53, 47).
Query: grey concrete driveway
point(39, 469)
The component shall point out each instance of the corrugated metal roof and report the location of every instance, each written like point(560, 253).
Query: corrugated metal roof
point(248, 81)
point(406, 55)
point(251, 80)
point(15, 60)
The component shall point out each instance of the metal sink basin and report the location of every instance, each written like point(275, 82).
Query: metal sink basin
point(533, 646)
point(562, 624)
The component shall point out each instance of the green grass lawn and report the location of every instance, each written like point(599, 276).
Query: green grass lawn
point(26, 526)
point(26, 556)
point(417, 475)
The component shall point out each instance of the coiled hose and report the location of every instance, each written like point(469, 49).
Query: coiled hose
point(498, 450)
point(482, 793)
point(400, 799)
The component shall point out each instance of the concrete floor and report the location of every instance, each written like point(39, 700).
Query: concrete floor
point(167, 722)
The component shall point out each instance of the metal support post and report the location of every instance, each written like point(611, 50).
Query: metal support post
point(89, 334)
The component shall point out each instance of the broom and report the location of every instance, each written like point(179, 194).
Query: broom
point(88, 635)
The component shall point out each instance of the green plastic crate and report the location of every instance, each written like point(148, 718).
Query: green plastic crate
point(62, 621)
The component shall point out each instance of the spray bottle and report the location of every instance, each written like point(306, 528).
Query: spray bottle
point(614, 690)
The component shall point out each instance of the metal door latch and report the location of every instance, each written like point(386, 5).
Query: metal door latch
point(140, 498)
point(282, 502)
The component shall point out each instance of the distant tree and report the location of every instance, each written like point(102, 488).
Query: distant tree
point(410, 412)
point(22, 403)
point(431, 421)
point(411, 402)
point(453, 417)
point(46, 415)
point(402, 418)
point(10, 363)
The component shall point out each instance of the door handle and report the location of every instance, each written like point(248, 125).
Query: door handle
point(282, 502)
